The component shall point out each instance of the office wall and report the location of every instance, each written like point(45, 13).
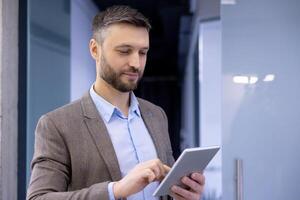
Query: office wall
point(8, 98)
point(48, 67)
point(83, 70)
point(59, 67)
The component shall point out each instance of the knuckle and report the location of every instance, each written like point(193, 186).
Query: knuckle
point(198, 188)
point(189, 195)
point(186, 181)
point(148, 172)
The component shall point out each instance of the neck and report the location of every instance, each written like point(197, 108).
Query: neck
point(119, 99)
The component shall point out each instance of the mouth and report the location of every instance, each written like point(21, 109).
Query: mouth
point(131, 75)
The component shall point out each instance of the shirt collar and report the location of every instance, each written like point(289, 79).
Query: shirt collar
point(134, 105)
point(107, 110)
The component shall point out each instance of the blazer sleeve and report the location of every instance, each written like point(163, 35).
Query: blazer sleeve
point(51, 170)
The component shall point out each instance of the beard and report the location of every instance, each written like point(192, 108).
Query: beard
point(112, 77)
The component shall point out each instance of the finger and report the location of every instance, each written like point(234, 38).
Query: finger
point(198, 177)
point(155, 166)
point(176, 196)
point(166, 168)
point(185, 193)
point(193, 185)
point(149, 175)
point(163, 171)
point(156, 171)
point(162, 174)
point(158, 166)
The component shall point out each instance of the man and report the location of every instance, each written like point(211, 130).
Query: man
point(108, 144)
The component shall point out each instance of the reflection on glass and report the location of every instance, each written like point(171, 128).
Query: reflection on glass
point(269, 77)
point(245, 79)
point(210, 102)
point(241, 79)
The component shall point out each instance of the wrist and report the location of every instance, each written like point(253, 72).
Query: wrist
point(117, 190)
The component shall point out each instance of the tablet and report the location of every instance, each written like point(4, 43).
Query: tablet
point(191, 160)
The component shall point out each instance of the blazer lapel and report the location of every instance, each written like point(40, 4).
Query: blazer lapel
point(99, 133)
point(151, 123)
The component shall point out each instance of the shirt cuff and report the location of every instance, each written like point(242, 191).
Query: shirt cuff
point(110, 191)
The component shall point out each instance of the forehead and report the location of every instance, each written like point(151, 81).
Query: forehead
point(126, 34)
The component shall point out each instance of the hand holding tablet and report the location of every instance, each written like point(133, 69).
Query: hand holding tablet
point(191, 160)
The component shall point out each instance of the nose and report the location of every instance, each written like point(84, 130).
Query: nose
point(134, 60)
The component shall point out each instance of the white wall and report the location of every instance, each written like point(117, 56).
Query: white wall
point(83, 70)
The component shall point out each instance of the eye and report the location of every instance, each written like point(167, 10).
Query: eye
point(124, 51)
point(143, 53)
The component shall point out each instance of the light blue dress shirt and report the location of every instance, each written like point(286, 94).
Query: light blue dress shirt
point(130, 138)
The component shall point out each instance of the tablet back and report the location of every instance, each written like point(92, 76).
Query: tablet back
point(191, 160)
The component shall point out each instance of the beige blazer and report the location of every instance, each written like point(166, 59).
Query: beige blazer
point(74, 157)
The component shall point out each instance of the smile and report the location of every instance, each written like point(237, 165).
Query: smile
point(131, 75)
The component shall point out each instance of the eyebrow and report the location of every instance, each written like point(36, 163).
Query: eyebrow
point(129, 46)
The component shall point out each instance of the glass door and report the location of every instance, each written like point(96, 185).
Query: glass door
point(210, 74)
point(260, 101)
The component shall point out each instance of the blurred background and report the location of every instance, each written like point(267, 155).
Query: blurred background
point(225, 71)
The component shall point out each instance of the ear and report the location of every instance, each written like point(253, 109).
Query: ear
point(94, 49)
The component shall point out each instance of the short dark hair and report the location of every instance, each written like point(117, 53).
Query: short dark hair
point(118, 14)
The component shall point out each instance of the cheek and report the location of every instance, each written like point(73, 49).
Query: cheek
point(116, 61)
point(143, 62)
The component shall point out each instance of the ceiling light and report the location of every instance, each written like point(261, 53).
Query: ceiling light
point(228, 2)
point(253, 79)
point(241, 79)
point(269, 77)
point(245, 79)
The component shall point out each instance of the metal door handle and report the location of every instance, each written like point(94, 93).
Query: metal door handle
point(239, 179)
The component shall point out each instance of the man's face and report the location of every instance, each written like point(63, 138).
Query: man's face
point(123, 56)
